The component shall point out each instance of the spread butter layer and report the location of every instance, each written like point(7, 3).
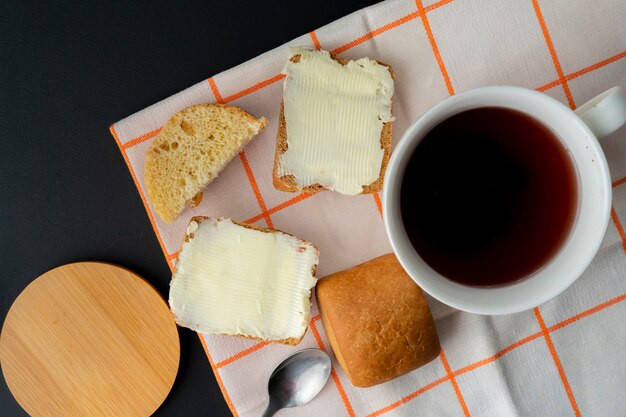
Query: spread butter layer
point(334, 117)
point(231, 279)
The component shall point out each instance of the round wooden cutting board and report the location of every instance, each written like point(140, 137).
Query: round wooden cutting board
point(89, 339)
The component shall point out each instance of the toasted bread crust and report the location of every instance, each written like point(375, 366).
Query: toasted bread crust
point(289, 183)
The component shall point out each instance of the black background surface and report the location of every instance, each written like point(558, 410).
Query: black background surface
point(67, 71)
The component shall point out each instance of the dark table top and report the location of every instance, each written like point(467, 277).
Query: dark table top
point(67, 71)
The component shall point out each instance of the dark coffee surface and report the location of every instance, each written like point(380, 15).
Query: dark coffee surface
point(489, 196)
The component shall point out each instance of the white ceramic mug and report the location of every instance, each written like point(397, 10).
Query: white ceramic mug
point(579, 131)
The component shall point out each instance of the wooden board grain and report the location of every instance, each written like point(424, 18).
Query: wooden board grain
point(89, 339)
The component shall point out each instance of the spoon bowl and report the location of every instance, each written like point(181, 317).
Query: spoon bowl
point(297, 380)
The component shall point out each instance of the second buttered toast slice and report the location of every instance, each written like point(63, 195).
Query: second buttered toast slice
point(335, 126)
point(243, 280)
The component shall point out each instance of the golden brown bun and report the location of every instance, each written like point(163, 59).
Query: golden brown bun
point(377, 321)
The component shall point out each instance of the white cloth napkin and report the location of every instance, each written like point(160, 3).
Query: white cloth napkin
point(567, 357)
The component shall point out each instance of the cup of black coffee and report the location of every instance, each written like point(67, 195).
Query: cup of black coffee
point(497, 199)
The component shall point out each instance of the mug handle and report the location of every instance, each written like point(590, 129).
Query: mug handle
point(605, 113)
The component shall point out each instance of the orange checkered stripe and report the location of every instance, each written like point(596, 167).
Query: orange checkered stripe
point(266, 213)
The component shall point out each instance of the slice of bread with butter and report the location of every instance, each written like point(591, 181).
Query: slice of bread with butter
point(335, 124)
point(243, 280)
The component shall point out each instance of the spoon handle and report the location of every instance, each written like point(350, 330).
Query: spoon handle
point(272, 408)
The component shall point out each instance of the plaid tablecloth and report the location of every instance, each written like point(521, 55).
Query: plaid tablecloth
point(566, 357)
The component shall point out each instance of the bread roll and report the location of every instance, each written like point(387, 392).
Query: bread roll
point(377, 321)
